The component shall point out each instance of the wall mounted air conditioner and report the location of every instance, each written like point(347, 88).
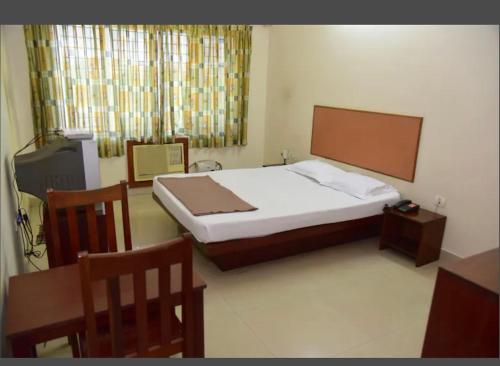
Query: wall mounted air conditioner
point(152, 160)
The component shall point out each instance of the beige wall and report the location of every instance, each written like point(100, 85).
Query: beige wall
point(11, 258)
point(11, 247)
point(17, 81)
point(447, 74)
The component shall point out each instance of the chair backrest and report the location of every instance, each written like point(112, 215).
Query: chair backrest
point(110, 267)
point(73, 200)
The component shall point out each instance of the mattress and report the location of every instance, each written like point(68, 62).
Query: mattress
point(285, 201)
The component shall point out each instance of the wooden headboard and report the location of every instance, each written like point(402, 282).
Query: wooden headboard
point(130, 161)
point(381, 142)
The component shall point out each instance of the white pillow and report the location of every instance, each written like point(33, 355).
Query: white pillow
point(316, 169)
point(358, 185)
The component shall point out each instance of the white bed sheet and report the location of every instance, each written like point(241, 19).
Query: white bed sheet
point(285, 201)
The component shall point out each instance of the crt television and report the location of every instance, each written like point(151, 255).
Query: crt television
point(61, 165)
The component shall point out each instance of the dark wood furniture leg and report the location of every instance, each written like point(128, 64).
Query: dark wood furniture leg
point(199, 326)
point(432, 237)
point(75, 345)
point(21, 348)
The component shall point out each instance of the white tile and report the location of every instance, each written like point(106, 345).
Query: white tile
point(303, 327)
point(228, 336)
point(404, 343)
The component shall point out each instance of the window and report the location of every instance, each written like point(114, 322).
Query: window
point(144, 82)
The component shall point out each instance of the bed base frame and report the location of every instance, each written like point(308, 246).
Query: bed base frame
point(237, 253)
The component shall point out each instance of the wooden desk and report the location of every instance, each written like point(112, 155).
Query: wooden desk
point(46, 305)
point(463, 321)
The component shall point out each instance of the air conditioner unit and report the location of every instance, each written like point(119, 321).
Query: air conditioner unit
point(152, 160)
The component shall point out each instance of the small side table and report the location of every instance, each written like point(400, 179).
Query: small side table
point(417, 234)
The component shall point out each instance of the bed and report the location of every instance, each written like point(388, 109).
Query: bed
point(295, 214)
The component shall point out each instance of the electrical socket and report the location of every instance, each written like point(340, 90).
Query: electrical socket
point(439, 201)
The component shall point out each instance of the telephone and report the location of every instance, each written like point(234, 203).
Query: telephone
point(406, 206)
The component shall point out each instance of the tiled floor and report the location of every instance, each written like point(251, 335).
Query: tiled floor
point(350, 300)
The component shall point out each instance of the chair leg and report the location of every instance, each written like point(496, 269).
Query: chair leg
point(75, 348)
point(83, 344)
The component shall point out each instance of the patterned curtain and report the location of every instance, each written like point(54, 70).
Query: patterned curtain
point(148, 82)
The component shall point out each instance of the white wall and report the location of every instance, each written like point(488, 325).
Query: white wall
point(446, 74)
point(11, 259)
point(17, 82)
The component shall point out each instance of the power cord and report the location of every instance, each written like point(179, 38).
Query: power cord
point(24, 225)
point(22, 218)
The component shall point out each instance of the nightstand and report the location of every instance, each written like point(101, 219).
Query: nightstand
point(417, 234)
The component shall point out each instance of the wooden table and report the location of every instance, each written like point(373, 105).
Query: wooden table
point(463, 320)
point(46, 305)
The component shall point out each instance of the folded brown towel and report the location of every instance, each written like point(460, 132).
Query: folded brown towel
point(203, 196)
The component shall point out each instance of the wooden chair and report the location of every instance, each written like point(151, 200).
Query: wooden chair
point(156, 338)
point(65, 251)
point(71, 201)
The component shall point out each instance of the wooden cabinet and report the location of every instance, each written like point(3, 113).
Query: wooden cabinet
point(463, 321)
point(418, 234)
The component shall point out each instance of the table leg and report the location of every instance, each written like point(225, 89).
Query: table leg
point(75, 347)
point(21, 348)
point(199, 334)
